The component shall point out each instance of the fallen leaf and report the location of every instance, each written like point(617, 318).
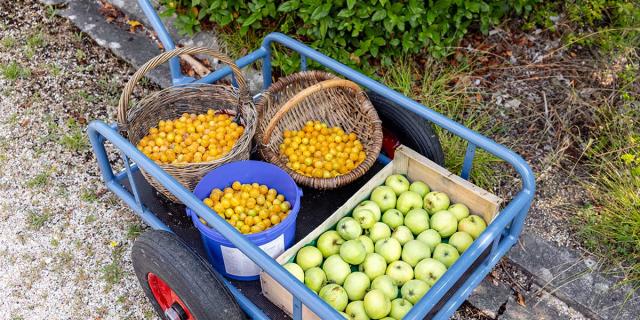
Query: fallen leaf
point(134, 24)
point(520, 299)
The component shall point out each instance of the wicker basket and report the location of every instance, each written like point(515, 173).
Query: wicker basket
point(314, 95)
point(172, 102)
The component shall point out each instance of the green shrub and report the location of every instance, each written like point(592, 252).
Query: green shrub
point(359, 33)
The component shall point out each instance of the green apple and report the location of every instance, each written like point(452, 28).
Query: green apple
point(349, 228)
point(420, 188)
point(446, 254)
point(461, 241)
point(373, 265)
point(376, 304)
point(398, 183)
point(329, 243)
point(384, 197)
point(402, 234)
point(315, 279)
point(336, 269)
point(365, 218)
point(399, 308)
point(344, 315)
point(390, 249)
point(379, 231)
point(444, 222)
point(353, 252)
point(335, 296)
point(385, 284)
point(414, 251)
point(430, 237)
point(355, 310)
point(372, 206)
point(367, 243)
point(417, 220)
point(473, 225)
point(356, 285)
point(430, 270)
point(436, 201)
point(309, 257)
point(408, 200)
point(400, 272)
point(393, 218)
point(414, 289)
point(295, 270)
point(459, 210)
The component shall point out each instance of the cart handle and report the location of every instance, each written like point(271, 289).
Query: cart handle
point(123, 104)
point(295, 100)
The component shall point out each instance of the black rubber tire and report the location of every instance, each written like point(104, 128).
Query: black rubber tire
point(412, 131)
point(186, 272)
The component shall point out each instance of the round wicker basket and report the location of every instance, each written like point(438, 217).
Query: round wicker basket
point(172, 102)
point(314, 95)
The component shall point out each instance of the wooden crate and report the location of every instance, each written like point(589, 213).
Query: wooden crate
point(415, 167)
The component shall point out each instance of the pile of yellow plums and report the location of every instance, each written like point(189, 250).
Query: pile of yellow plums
point(192, 138)
point(249, 207)
point(320, 151)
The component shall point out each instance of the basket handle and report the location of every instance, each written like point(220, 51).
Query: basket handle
point(123, 104)
point(332, 83)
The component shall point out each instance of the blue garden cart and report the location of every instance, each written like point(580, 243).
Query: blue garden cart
point(168, 259)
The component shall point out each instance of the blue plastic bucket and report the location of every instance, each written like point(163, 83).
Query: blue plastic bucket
point(222, 254)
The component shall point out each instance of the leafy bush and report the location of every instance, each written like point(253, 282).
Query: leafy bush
point(358, 33)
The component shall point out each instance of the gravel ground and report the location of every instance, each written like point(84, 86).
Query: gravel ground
point(64, 240)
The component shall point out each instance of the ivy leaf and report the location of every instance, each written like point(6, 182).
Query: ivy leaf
point(321, 12)
point(379, 15)
point(351, 4)
point(344, 13)
point(251, 19)
point(289, 6)
point(472, 6)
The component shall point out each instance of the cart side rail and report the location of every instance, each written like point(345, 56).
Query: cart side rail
point(99, 133)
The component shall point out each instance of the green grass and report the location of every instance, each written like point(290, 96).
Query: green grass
point(610, 224)
point(74, 140)
point(14, 71)
point(39, 180)
point(88, 195)
point(35, 40)
point(113, 273)
point(8, 42)
point(37, 220)
point(134, 230)
point(431, 85)
point(90, 219)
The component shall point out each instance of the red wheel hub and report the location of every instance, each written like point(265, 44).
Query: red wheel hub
point(171, 304)
point(389, 142)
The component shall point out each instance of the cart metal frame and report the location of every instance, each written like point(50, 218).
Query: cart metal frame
point(498, 238)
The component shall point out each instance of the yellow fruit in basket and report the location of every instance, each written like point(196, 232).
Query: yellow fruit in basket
point(250, 208)
point(320, 151)
point(191, 138)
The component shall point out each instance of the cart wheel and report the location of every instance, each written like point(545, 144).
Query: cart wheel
point(401, 126)
point(180, 284)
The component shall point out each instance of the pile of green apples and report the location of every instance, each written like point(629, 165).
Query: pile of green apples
point(382, 259)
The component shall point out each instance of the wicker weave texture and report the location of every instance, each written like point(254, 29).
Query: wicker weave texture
point(343, 107)
point(172, 102)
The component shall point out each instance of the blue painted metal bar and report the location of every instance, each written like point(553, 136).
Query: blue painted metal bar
point(165, 38)
point(485, 143)
point(474, 280)
point(468, 161)
point(144, 213)
point(297, 308)
point(132, 182)
point(303, 62)
point(225, 71)
point(264, 261)
point(247, 306)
